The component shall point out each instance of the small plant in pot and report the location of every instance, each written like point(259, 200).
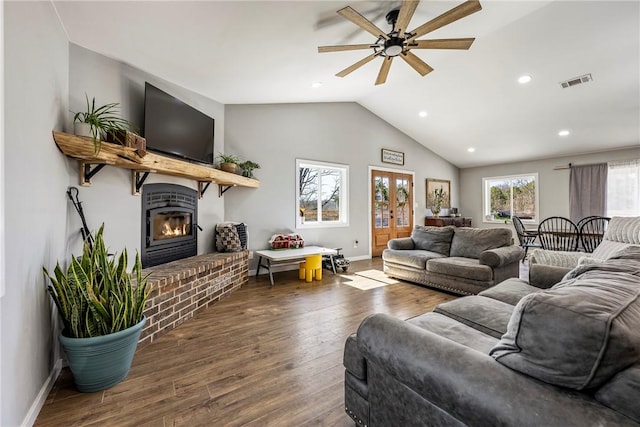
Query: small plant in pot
point(228, 162)
point(438, 201)
point(248, 168)
point(101, 306)
point(99, 122)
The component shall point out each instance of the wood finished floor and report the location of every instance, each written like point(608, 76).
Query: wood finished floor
point(263, 356)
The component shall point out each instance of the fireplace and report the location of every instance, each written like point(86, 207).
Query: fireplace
point(169, 215)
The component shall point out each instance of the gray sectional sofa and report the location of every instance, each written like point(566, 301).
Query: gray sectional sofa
point(514, 355)
point(460, 260)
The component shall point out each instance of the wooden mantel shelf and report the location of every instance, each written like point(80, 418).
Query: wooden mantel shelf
point(81, 148)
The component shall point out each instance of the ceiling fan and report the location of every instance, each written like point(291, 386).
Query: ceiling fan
point(399, 41)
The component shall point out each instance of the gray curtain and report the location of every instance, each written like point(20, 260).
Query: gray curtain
point(587, 191)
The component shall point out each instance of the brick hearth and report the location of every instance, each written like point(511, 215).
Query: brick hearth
point(182, 288)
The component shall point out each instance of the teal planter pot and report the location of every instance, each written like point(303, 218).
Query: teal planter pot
point(98, 363)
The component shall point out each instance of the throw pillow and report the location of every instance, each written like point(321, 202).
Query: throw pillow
point(227, 238)
point(471, 242)
point(578, 334)
point(433, 239)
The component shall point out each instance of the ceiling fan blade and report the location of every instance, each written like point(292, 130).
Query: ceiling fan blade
point(356, 65)
point(416, 63)
point(384, 70)
point(458, 12)
point(406, 12)
point(362, 22)
point(442, 44)
point(323, 49)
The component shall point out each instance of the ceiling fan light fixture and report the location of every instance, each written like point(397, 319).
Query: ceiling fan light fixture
point(394, 46)
point(316, 85)
point(564, 132)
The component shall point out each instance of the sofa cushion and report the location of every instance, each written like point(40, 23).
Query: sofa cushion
point(467, 268)
point(578, 334)
point(623, 229)
point(433, 239)
point(510, 291)
point(622, 391)
point(447, 327)
point(555, 258)
point(471, 242)
point(486, 315)
point(606, 249)
point(411, 258)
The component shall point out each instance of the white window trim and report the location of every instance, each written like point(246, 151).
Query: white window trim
point(486, 201)
point(344, 194)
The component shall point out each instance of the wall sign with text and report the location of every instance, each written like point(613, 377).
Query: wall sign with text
point(390, 156)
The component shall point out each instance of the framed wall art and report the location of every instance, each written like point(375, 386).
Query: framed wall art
point(394, 157)
point(437, 184)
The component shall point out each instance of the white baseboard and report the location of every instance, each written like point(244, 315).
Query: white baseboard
point(41, 398)
point(359, 257)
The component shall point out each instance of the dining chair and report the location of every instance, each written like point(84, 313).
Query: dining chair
point(585, 219)
point(557, 233)
point(526, 239)
point(591, 232)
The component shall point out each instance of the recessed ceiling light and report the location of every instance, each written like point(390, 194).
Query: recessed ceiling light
point(422, 114)
point(564, 132)
point(524, 79)
point(471, 149)
point(316, 85)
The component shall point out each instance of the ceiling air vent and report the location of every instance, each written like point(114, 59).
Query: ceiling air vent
point(576, 81)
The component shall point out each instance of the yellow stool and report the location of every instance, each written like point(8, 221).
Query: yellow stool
point(312, 266)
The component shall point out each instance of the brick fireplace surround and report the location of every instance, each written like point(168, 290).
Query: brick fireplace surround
point(182, 288)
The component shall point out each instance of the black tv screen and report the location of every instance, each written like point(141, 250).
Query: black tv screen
point(175, 128)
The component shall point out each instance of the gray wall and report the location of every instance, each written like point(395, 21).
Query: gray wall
point(35, 177)
point(553, 184)
point(346, 133)
point(109, 199)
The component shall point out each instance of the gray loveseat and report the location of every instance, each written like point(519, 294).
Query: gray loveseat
point(460, 260)
point(514, 355)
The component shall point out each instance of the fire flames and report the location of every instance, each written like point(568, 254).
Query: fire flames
point(168, 231)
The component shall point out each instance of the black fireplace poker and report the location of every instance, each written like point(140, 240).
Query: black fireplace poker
point(72, 192)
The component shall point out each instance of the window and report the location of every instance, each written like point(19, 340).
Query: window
point(507, 196)
point(321, 194)
point(623, 188)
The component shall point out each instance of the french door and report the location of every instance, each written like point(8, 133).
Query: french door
point(391, 208)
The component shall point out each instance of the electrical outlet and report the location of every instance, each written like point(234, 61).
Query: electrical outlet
point(355, 243)
point(250, 254)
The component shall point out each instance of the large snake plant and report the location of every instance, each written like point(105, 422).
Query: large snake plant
point(96, 296)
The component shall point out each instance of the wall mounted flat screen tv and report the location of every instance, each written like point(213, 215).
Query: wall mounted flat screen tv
point(174, 128)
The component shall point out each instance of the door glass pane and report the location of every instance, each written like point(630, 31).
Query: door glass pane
point(381, 201)
point(402, 202)
point(330, 195)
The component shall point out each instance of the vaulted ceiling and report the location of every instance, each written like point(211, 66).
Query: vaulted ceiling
point(254, 52)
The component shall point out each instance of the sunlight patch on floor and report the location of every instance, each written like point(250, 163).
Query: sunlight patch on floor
point(368, 279)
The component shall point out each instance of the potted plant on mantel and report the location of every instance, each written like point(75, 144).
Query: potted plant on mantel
point(102, 311)
point(98, 123)
point(228, 162)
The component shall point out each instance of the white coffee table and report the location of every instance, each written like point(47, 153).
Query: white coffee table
point(290, 256)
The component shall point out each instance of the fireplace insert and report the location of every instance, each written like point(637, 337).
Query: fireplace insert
point(169, 216)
